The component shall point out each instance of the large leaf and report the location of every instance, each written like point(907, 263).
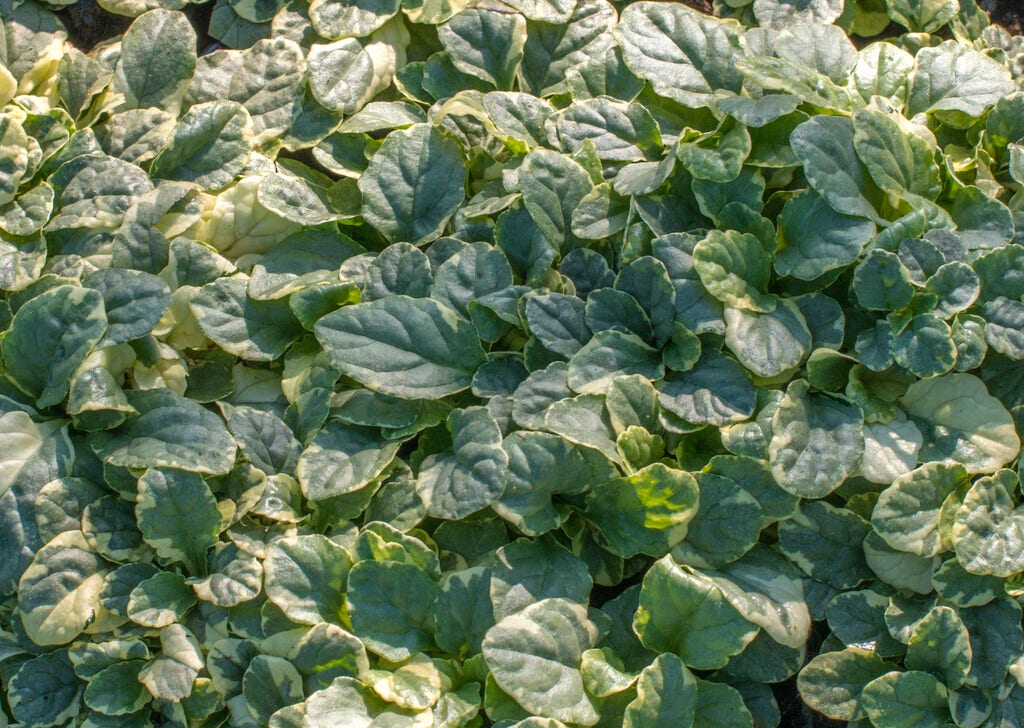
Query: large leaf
point(406, 347)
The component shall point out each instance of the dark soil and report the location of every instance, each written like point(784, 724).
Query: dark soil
point(1007, 13)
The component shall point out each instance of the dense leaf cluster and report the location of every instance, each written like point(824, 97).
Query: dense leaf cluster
point(349, 368)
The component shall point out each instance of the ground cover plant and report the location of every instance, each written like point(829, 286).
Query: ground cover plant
point(544, 363)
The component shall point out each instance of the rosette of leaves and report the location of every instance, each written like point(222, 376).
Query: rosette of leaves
point(511, 364)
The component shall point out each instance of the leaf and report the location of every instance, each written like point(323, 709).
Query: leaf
point(336, 19)
point(817, 442)
point(961, 421)
point(210, 144)
point(832, 682)
point(899, 162)
point(134, 302)
point(269, 684)
point(414, 184)
point(158, 58)
point(58, 595)
point(305, 577)
point(808, 252)
point(825, 147)
point(716, 391)
point(768, 344)
point(44, 691)
point(169, 432)
point(342, 459)
point(907, 512)
point(535, 657)
point(50, 337)
point(686, 614)
point(422, 342)
point(552, 49)
point(487, 43)
point(553, 186)
point(646, 512)
point(391, 605)
point(473, 476)
point(178, 516)
point(779, 13)
point(734, 268)
point(173, 673)
point(952, 77)
point(910, 698)
point(666, 695)
point(987, 529)
point(526, 572)
point(940, 644)
point(610, 354)
point(685, 55)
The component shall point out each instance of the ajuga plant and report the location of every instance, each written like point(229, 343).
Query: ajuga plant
point(546, 363)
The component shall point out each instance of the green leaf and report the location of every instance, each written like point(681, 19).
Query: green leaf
point(620, 132)
point(337, 19)
point(553, 186)
point(685, 55)
point(808, 252)
point(552, 49)
point(342, 459)
point(899, 162)
point(735, 269)
point(50, 337)
point(666, 695)
point(686, 614)
point(117, 690)
point(44, 691)
point(178, 516)
point(726, 526)
point(172, 674)
point(169, 432)
point(611, 354)
point(817, 442)
point(923, 17)
point(160, 600)
point(768, 344)
point(940, 645)
point(646, 512)
point(58, 595)
point(209, 146)
point(907, 513)
point(406, 347)
point(905, 699)
point(305, 578)
point(249, 329)
point(535, 657)
point(955, 77)
point(391, 607)
point(825, 147)
point(473, 476)
point(780, 13)
point(158, 58)
point(827, 543)
point(832, 682)
point(540, 466)
point(346, 74)
point(526, 572)
point(486, 43)
point(961, 421)
point(269, 684)
point(716, 391)
point(414, 184)
point(987, 530)
point(133, 300)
